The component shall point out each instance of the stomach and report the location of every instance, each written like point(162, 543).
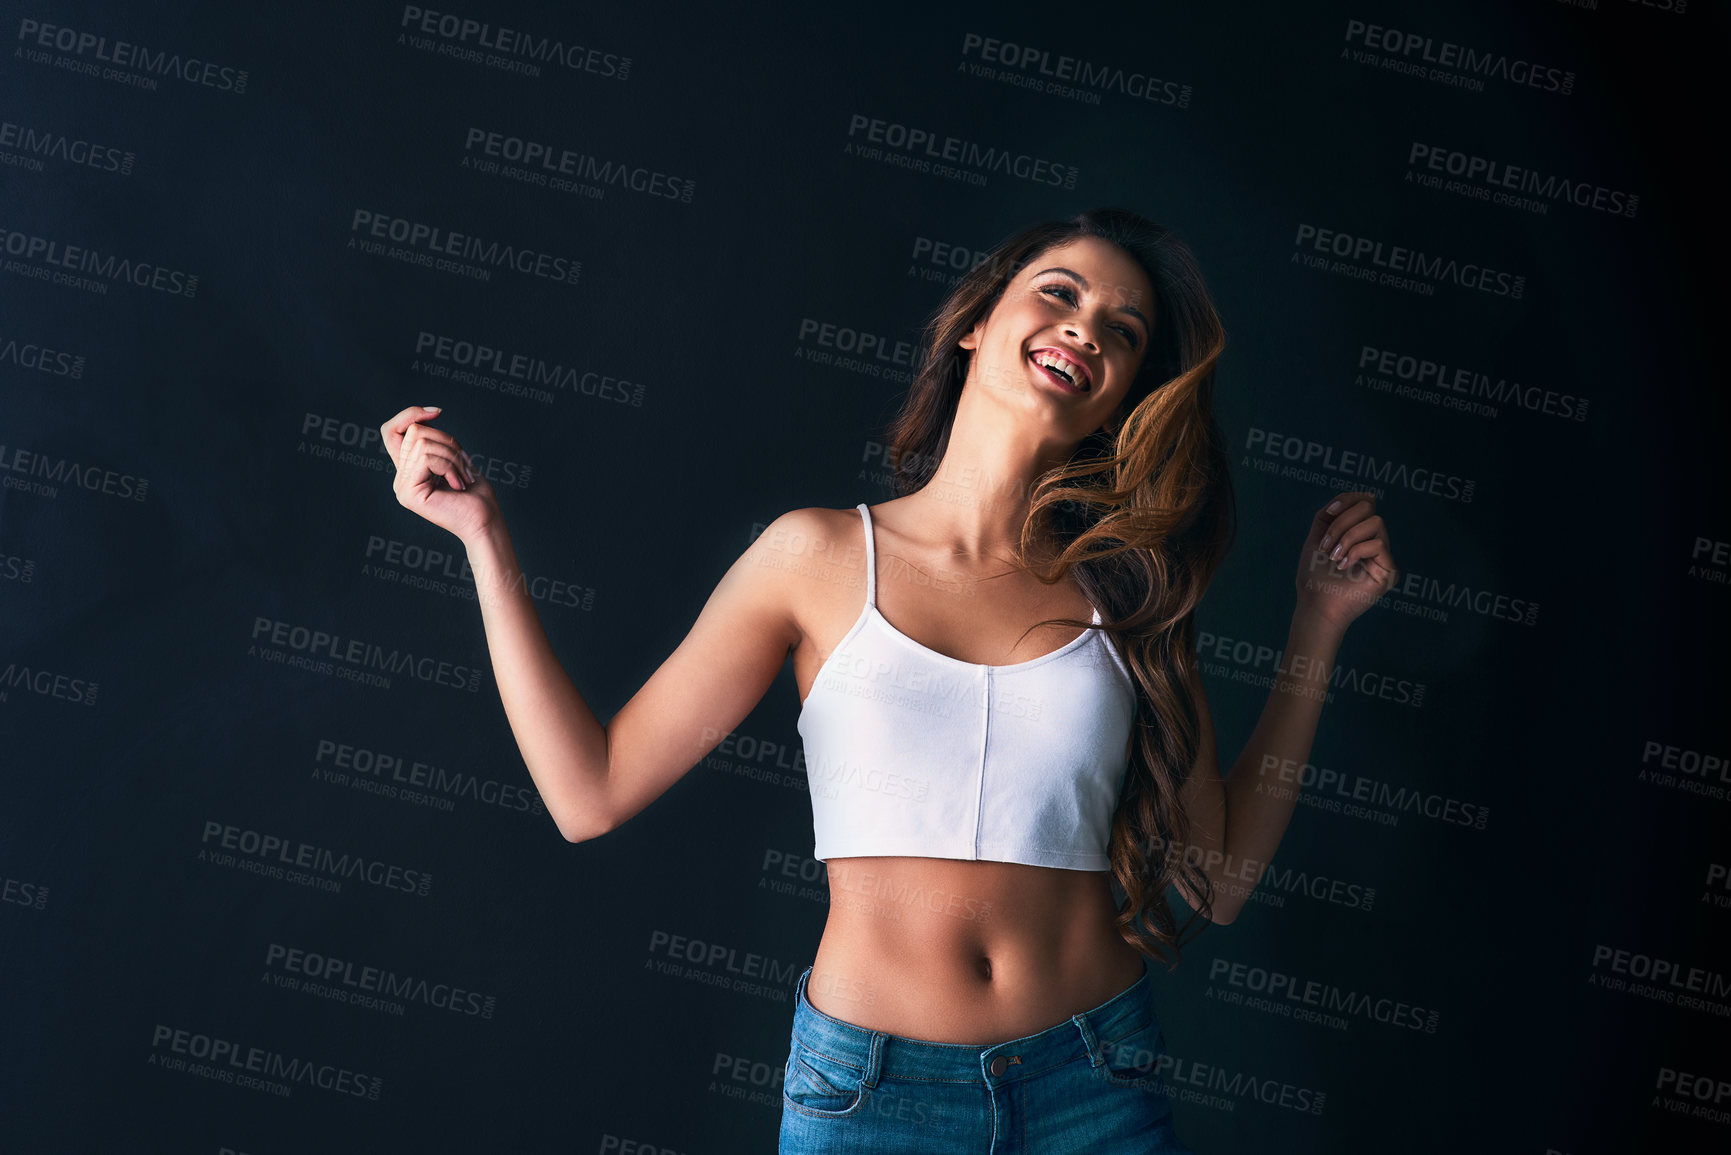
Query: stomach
point(959, 951)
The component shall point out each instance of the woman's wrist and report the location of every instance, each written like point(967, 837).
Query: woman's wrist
point(490, 539)
point(1315, 634)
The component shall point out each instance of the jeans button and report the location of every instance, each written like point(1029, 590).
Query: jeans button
point(999, 1065)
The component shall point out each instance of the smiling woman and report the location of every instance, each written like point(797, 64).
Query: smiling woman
point(988, 754)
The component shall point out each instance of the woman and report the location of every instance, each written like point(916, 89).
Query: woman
point(981, 773)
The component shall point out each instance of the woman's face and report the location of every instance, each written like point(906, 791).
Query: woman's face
point(1086, 301)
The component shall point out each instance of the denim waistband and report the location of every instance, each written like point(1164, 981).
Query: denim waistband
point(879, 1054)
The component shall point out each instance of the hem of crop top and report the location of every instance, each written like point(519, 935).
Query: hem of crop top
point(920, 847)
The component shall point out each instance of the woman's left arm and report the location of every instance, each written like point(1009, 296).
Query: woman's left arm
point(1236, 823)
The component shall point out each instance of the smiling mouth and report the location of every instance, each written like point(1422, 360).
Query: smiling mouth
point(1060, 370)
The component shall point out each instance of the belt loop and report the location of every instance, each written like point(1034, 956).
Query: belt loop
point(1095, 1057)
point(874, 1060)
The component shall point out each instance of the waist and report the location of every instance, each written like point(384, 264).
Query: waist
point(1101, 1029)
point(956, 951)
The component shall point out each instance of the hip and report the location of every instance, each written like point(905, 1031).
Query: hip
point(1090, 1082)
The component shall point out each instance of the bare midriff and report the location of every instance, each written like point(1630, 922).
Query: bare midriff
point(958, 951)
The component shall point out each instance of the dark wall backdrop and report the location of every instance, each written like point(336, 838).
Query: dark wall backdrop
point(275, 877)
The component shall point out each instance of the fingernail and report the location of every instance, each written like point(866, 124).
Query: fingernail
point(434, 408)
point(1333, 506)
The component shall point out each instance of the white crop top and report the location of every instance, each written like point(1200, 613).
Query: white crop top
point(913, 752)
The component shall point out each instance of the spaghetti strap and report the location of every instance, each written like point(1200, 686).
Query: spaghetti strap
point(871, 557)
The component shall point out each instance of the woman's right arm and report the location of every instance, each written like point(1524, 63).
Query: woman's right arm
point(593, 777)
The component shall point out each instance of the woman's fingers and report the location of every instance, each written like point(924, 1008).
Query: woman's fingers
point(426, 459)
point(1354, 540)
point(407, 432)
point(1355, 508)
point(395, 428)
point(422, 434)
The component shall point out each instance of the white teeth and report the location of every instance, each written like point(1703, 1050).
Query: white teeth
point(1051, 361)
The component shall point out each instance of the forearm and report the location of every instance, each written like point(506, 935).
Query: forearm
point(562, 742)
point(1261, 788)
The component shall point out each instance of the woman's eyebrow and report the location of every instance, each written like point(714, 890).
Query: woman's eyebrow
point(1083, 281)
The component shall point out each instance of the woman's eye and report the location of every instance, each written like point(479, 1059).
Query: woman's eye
point(1069, 295)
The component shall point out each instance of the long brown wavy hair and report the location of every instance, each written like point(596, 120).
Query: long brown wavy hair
point(1144, 515)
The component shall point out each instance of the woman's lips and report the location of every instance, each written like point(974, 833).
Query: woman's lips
point(1055, 378)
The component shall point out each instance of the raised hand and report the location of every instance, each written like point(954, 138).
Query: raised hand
point(1346, 563)
point(435, 477)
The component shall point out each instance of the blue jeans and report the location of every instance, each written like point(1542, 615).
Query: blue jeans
point(1090, 1084)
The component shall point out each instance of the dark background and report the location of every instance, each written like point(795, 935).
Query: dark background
point(139, 705)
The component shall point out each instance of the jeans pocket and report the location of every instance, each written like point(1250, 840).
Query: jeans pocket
point(818, 1085)
point(1133, 1060)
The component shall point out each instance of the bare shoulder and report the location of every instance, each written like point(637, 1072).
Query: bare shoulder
point(818, 558)
point(813, 543)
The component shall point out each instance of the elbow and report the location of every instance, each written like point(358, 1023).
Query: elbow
point(585, 823)
point(1224, 907)
point(575, 831)
point(1219, 909)
point(592, 818)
